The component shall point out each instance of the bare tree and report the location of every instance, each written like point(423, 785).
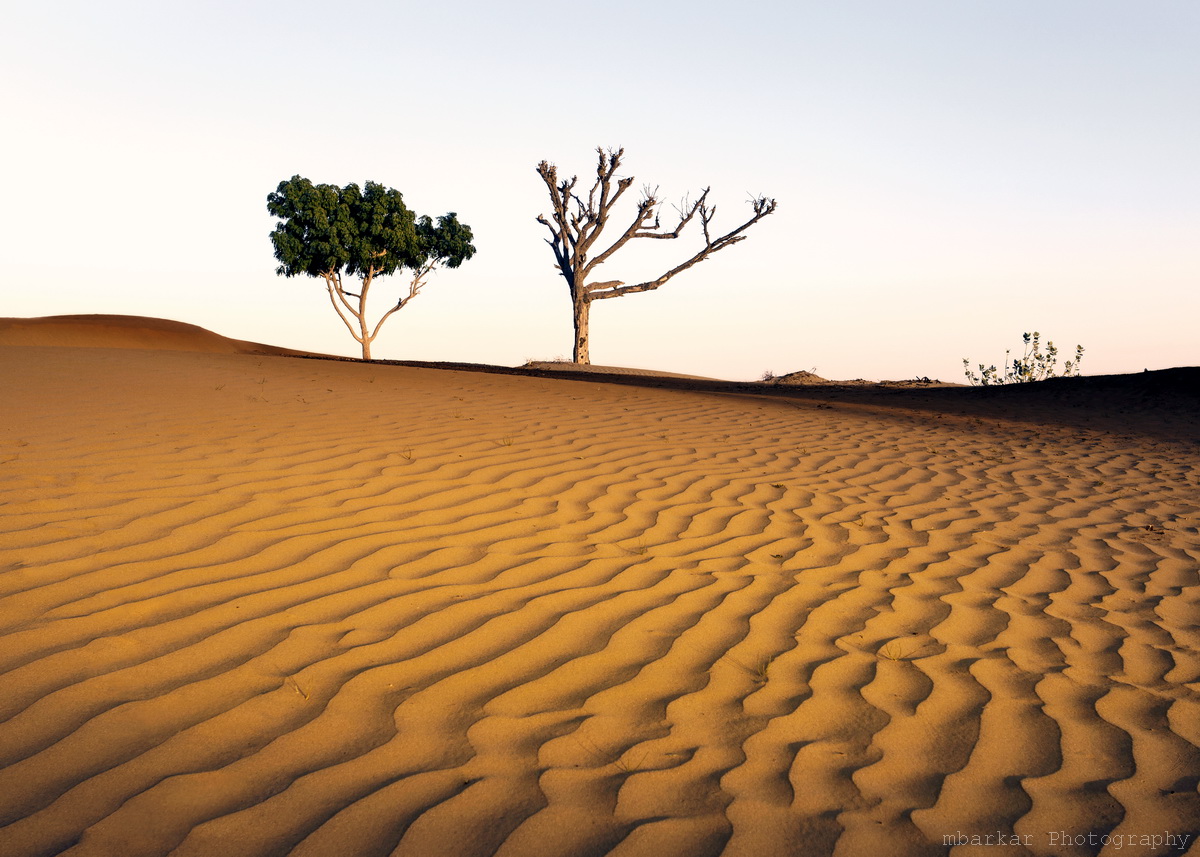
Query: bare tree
point(576, 224)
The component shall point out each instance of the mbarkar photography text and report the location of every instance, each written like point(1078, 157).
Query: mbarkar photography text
point(1061, 838)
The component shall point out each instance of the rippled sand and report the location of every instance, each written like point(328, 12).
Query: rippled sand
point(260, 605)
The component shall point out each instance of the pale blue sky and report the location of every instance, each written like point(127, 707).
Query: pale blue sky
point(949, 174)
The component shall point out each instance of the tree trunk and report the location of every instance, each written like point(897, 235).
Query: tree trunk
point(582, 308)
point(365, 335)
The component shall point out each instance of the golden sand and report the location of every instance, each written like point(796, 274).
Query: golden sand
point(261, 605)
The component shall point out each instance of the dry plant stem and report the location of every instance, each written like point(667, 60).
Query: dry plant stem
point(1033, 365)
point(618, 762)
point(759, 673)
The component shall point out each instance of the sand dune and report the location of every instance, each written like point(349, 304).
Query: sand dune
point(258, 605)
point(124, 331)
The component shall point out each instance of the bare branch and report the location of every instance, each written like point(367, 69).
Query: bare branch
point(555, 241)
point(645, 210)
point(762, 207)
point(565, 230)
point(559, 196)
point(414, 288)
point(334, 280)
point(684, 219)
point(597, 216)
point(330, 280)
point(607, 284)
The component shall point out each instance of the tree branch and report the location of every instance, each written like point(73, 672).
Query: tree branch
point(684, 219)
point(607, 284)
point(335, 280)
point(597, 219)
point(563, 241)
point(560, 252)
point(638, 229)
point(330, 280)
point(414, 289)
point(762, 207)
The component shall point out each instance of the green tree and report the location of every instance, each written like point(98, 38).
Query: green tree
point(326, 231)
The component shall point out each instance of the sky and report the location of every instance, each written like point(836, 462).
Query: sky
point(949, 174)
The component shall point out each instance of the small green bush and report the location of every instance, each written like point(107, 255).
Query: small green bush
point(1034, 365)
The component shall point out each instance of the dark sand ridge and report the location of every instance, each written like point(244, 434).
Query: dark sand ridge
point(257, 605)
point(1163, 403)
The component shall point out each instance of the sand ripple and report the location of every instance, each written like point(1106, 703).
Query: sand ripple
point(266, 606)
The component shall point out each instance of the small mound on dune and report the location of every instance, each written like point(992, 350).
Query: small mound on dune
point(802, 377)
point(124, 331)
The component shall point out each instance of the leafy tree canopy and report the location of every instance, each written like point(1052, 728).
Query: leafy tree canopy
point(326, 231)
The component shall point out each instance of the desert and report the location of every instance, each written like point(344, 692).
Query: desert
point(257, 602)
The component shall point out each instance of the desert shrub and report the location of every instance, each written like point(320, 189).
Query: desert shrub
point(1033, 365)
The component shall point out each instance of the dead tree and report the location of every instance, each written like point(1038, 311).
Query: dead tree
point(576, 224)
